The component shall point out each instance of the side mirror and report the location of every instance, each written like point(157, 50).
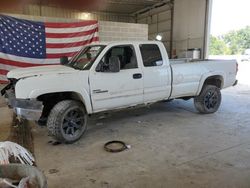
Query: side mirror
point(64, 60)
point(114, 64)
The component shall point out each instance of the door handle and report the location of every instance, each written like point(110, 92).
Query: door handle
point(137, 76)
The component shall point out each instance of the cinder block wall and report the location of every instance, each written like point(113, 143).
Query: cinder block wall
point(118, 31)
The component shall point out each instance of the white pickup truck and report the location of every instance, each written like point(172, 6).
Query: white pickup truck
point(109, 76)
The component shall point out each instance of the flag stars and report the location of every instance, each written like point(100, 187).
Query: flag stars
point(22, 39)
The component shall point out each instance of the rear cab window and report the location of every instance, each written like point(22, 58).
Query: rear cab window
point(151, 55)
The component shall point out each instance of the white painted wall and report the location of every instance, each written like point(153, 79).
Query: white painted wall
point(189, 25)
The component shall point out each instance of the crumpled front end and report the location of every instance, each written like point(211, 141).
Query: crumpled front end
point(24, 108)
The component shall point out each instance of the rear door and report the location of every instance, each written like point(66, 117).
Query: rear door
point(111, 90)
point(156, 71)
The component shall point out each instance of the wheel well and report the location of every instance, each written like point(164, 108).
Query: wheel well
point(51, 99)
point(214, 80)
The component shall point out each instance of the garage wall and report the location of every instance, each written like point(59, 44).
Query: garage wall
point(189, 25)
point(117, 31)
point(108, 31)
point(159, 22)
point(184, 27)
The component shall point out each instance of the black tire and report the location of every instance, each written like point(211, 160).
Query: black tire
point(209, 99)
point(67, 121)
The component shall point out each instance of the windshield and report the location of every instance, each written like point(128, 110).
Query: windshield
point(86, 57)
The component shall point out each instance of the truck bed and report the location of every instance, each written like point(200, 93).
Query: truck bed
point(188, 74)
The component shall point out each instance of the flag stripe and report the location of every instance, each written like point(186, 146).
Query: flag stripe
point(72, 44)
point(20, 64)
point(70, 25)
point(26, 59)
point(63, 50)
point(70, 40)
point(4, 81)
point(8, 67)
point(3, 72)
point(70, 54)
point(70, 30)
point(71, 35)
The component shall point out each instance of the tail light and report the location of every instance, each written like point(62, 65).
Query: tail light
point(237, 67)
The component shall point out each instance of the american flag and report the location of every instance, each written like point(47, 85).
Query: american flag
point(25, 43)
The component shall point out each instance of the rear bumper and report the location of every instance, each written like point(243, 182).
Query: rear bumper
point(24, 108)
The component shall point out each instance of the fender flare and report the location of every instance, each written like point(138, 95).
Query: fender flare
point(208, 75)
point(83, 95)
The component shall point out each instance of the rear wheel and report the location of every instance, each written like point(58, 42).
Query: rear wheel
point(67, 121)
point(209, 100)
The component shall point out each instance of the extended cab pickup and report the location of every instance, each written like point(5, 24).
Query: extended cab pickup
point(109, 76)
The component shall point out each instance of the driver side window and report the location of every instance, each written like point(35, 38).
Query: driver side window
point(125, 54)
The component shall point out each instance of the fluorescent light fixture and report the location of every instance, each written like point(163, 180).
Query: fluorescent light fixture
point(158, 37)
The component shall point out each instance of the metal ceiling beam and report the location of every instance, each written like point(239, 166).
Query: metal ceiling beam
point(133, 2)
point(156, 5)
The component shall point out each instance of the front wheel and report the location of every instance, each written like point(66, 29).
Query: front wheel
point(209, 100)
point(67, 121)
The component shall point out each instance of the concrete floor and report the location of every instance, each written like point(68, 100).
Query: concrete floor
point(171, 146)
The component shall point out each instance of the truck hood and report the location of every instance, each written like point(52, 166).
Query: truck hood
point(39, 71)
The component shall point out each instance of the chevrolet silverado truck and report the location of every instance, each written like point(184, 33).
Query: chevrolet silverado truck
point(110, 76)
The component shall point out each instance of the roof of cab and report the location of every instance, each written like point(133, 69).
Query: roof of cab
point(125, 42)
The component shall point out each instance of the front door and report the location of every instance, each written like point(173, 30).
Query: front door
point(111, 90)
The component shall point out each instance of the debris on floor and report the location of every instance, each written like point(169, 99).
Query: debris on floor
point(54, 143)
point(116, 146)
point(21, 176)
point(21, 134)
point(11, 149)
point(53, 171)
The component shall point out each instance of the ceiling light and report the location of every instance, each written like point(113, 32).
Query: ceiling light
point(158, 37)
